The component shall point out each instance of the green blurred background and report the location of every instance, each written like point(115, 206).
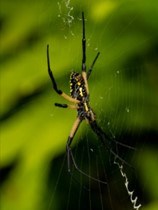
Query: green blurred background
point(124, 93)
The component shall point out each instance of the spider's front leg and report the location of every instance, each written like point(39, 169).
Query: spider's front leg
point(58, 91)
point(84, 73)
point(92, 65)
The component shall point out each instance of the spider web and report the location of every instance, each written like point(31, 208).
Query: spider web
point(123, 94)
point(118, 184)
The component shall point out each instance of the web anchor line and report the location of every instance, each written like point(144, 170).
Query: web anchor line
point(130, 193)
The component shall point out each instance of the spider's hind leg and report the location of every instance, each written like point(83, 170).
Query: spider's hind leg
point(70, 156)
point(70, 139)
point(106, 142)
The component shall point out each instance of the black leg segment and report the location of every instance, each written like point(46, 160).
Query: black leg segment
point(51, 74)
point(61, 105)
point(91, 67)
point(83, 44)
point(64, 95)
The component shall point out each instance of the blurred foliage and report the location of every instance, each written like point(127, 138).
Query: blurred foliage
point(124, 88)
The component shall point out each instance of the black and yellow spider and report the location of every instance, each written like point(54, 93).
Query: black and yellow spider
point(80, 98)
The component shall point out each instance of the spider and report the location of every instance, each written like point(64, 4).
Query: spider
point(79, 92)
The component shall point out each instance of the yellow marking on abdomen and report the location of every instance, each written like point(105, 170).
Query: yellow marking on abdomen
point(81, 93)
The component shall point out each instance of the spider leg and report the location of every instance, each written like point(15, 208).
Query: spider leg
point(58, 91)
point(70, 139)
point(83, 44)
point(105, 141)
point(70, 154)
point(124, 145)
point(84, 74)
point(92, 65)
point(66, 106)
